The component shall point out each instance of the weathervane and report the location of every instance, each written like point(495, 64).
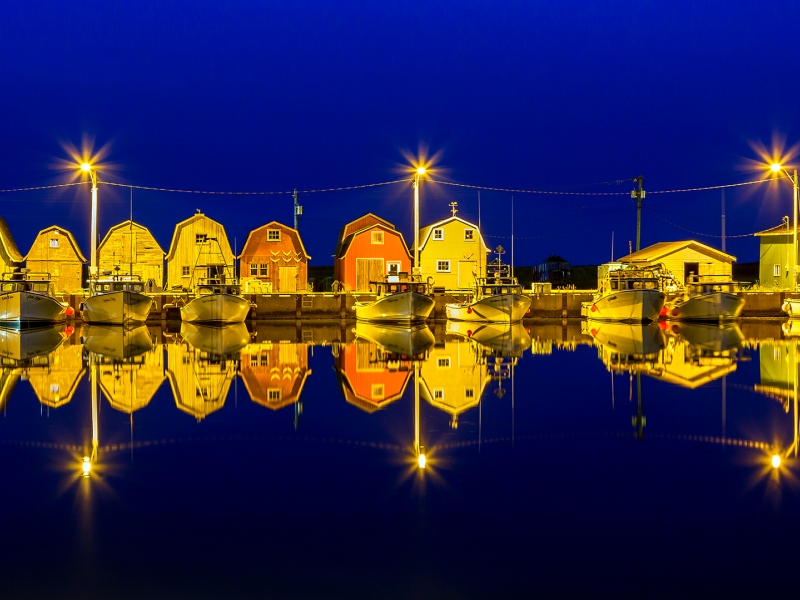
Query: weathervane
point(453, 207)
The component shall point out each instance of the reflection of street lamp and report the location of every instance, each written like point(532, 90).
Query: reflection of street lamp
point(777, 168)
point(419, 172)
point(87, 168)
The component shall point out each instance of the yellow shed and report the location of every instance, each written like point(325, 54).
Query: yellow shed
point(453, 253)
point(199, 250)
point(199, 383)
point(683, 258)
point(133, 249)
point(55, 251)
point(9, 253)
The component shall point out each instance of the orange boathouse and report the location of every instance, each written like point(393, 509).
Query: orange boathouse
point(368, 249)
point(273, 259)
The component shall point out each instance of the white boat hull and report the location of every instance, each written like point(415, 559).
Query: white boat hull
point(24, 344)
point(117, 308)
point(216, 308)
point(408, 341)
point(502, 308)
point(636, 306)
point(791, 306)
point(403, 307)
point(706, 307)
point(222, 341)
point(504, 338)
point(30, 307)
point(624, 339)
point(117, 342)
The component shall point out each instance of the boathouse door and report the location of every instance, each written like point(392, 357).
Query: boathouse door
point(467, 269)
point(368, 269)
point(288, 279)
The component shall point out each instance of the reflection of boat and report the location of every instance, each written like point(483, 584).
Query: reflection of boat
point(626, 294)
point(25, 298)
point(129, 381)
point(623, 345)
point(502, 338)
point(117, 342)
point(23, 344)
point(493, 299)
point(221, 341)
point(710, 338)
point(406, 341)
point(708, 299)
point(791, 306)
point(117, 300)
point(398, 301)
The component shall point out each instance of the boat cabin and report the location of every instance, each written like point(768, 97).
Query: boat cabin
point(397, 284)
point(495, 286)
point(622, 280)
point(24, 281)
point(205, 288)
point(117, 283)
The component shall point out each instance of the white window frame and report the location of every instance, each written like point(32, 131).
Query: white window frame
point(186, 271)
point(469, 393)
point(469, 234)
point(274, 394)
point(253, 269)
point(54, 242)
point(392, 263)
point(776, 271)
point(442, 266)
point(438, 393)
point(438, 234)
point(273, 235)
point(443, 362)
point(376, 236)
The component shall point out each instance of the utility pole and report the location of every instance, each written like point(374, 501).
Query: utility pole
point(298, 210)
point(723, 220)
point(639, 195)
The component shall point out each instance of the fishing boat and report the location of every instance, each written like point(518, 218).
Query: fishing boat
point(629, 294)
point(791, 306)
point(118, 343)
point(626, 346)
point(216, 302)
point(116, 300)
point(399, 300)
point(397, 340)
point(26, 299)
point(217, 341)
point(492, 300)
point(709, 298)
point(504, 338)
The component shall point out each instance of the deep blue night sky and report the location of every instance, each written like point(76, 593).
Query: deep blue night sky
point(256, 96)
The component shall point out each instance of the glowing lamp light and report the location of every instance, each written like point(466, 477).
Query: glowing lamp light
point(776, 461)
point(421, 170)
point(86, 167)
point(422, 461)
point(775, 167)
point(86, 467)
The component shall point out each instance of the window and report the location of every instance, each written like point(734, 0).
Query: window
point(184, 271)
point(438, 233)
point(392, 268)
point(377, 237)
point(438, 394)
point(776, 270)
point(274, 395)
point(469, 235)
point(264, 270)
point(443, 362)
point(54, 242)
point(253, 269)
point(273, 235)
point(200, 238)
point(54, 388)
point(469, 393)
point(377, 391)
point(442, 266)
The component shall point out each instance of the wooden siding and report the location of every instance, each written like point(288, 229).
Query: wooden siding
point(133, 249)
point(56, 381)
point(393, 249)
point(366, 383)
point(367, 220)
point(189, 260)
point(55, 251)
point(129, 387)
point(282, 264)
point(199, 385)
point(676, 262)
point(453, 247)
point(274, 374)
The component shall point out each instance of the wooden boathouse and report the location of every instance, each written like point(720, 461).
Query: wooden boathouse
point(775, 257)
point(453, 253)
point(10, 256)
point(366, 383)
point(274, 260)
point(199, 250)
point(55, 251)
point(683, 258)
point(368, 249)
point(130, 249)
point(274, 374)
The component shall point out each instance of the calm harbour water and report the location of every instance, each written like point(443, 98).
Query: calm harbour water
point(564, 459)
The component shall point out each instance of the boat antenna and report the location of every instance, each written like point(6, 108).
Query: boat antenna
point(612, 246)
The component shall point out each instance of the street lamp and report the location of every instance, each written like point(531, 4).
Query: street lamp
point(419, 173)
point(87, 168)
point(777, 168)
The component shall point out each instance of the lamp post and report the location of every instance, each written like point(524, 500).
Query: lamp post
point(87, 168)
point(419, 173)
point(777, 168)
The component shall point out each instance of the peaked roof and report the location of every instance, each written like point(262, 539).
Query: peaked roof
point(662, 249)
point(293, 233)
point(425, 232)
point(173, 246)
point(70, 237)
point(782, 229)
point(124, 225)
point(8, 242)
point(345, 244)
point(367, 220)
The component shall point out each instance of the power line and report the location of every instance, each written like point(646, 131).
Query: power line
point(711, 235)
point(44, 187)
point(289, 192)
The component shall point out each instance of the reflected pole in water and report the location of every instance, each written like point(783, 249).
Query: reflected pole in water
point(638, 421)
point(724, 406)
point(95, 427)
point(612, 390)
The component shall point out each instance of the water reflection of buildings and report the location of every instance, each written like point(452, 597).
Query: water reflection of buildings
point(274, 373)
